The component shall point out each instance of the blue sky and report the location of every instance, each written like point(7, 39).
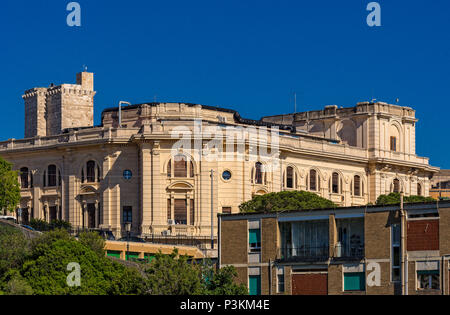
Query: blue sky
point(246, 55)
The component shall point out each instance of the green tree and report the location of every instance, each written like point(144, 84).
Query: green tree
point(394, 199)
point(177, 275)
point(286, 200)
point(14, 248)
point(223, 283)
point(46, 269)
point(9, 187)
point(173, 275)
point(18, 286)
point(94, 241)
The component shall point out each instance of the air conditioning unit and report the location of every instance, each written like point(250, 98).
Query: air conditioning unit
point(166, 233)
point(171, 222)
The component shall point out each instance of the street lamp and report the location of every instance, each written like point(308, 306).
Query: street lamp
point(128, 230)
point(120, 112)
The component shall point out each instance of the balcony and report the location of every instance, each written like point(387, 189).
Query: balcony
point(304, 254)
point(348, 252)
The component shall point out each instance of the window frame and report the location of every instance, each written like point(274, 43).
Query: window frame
point(395, 246)
point(254, 247)
point(127, 214)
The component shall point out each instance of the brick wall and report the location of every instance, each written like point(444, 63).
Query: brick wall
point(423, 235)
point(444, 231)
point(234, 238)
point(269, 239)
point(335, 280)
point(378, 234)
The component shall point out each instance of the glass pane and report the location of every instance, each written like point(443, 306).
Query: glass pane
point(354, 281)
point(396, 258)
point(396, 274)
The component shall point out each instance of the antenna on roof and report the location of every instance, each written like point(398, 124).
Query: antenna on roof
point(397, 100)
point(85, 68)
point(295, 102)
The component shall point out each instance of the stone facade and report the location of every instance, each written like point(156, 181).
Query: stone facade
point(50, 110)
point(101, 176)
point(380, 255)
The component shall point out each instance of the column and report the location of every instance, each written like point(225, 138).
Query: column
point(96, 214)
point(146, 189)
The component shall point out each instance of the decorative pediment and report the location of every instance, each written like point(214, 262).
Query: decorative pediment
point(180, 186)
point(87, 190)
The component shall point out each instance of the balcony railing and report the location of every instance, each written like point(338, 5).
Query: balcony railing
point(304, 253)
point(348, 252)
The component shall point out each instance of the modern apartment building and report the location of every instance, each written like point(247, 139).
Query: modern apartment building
point(350, 250)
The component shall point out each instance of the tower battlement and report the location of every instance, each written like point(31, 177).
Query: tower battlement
point(50, 110)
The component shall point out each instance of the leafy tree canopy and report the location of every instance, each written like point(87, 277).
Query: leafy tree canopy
point(394, 198)
point(46, 270)
point(9, 187)
point(176, 275)
point(286, 201)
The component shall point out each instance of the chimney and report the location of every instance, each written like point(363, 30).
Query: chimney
point(86, 80)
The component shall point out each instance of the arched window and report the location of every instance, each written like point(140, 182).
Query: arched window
point(52, 176)
point(178, 167)
point(258, 173)
point(191, 169)
point(91, 172)
point(24, 177)
point(335, 183)
point(289, 177)
point(419, 189)
point(313, 180)
point(169, 169)
point(396, 185)
point(357, 185)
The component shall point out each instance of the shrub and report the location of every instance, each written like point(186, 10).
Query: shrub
point(394, 198)
point(286, 200)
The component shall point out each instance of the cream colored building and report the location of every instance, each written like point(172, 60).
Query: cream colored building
point(103, 176)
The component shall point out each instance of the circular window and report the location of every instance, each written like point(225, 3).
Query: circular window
point(226, 175)
point(127, 174)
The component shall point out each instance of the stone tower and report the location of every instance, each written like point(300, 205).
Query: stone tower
point(50, 110)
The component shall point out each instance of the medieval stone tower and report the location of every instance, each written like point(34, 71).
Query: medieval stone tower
point(50, 110)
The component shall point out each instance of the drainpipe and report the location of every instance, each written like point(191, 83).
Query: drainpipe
point(270, 276)
point(403, 219)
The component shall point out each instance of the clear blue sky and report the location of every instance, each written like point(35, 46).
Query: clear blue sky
point(246, 55)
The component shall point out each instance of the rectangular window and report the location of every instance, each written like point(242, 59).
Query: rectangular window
point(226, 210)
point(280, 280)
point(428, 280)
point(192, 210)
point(254, 285)
point(393, 144)
point(127, 214)
point(180, 211)
point(254, 240)
point(132, 256)
point(350, 237)
point(396, 252)
point(305, 239)
point(354, 281)
point(113, 253)
point(169, 209)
